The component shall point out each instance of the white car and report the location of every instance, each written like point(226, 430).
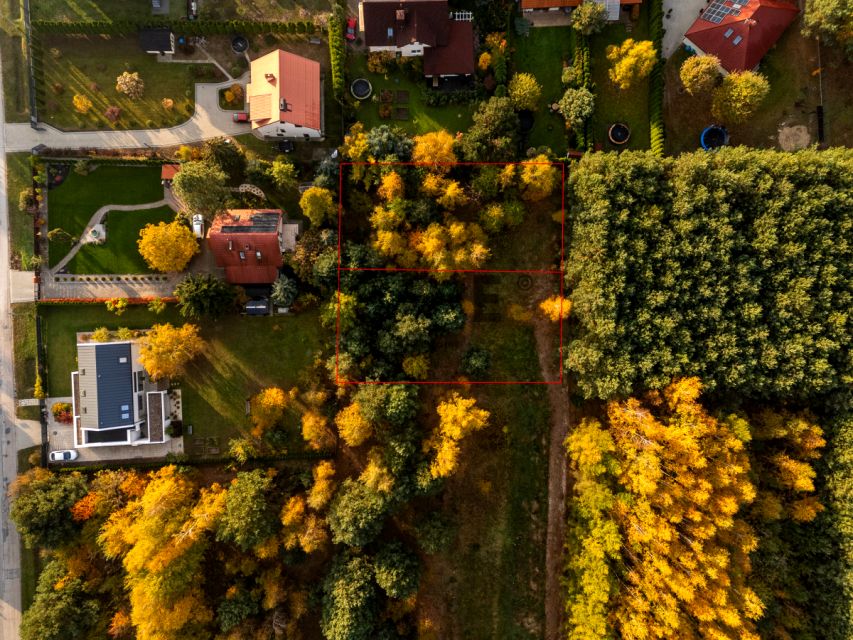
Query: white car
point(62, 456)
point(198, 226)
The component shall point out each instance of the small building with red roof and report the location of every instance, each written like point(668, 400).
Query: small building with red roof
point(168, 173)
point(285, 96)
point(247, 244)
point(739, 33)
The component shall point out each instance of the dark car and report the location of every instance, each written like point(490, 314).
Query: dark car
point(257, 307)
point(351, 24)
point(241, 116)
point(286, 146)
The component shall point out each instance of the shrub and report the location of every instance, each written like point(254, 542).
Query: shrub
point(378, 61)
point(337, 51)
point(112, 113)
point(131, 85)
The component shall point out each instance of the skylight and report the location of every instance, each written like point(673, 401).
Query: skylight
point(728, 32)
point(736, 41)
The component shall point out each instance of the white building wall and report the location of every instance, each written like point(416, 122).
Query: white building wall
point(288, 130)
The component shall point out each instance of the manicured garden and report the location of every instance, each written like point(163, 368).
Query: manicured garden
point(119, 254)
point(72, 204)
point(244, 355)
point(612, 104)
point(543, 53)
point(89, 65)
point(421, 118)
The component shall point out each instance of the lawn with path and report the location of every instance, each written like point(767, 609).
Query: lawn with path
point(612, 104)
point(243, 356)
point(421, 118)
point(72, 204)
point(543, 53)
point(120, 252)
point(89, 66)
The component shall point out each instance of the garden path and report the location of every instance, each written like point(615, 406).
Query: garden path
point(97, 218)
point(55, 287)
point(208, 121)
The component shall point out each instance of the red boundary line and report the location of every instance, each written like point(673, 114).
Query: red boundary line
point(341, 166)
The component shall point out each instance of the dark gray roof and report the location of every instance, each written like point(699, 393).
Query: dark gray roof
point(260, 223)
point(155, 39)
point(115, 384)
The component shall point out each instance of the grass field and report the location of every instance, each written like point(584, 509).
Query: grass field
point(543, 53)
point(492, 582)
point(90, 65)
point(422, 118)
point(24, 331)
point(71, 204)
point(18, 178)
point(119, 254)
point(243, 356)
point(612, 104)
point(109, 10)
point(15, 76)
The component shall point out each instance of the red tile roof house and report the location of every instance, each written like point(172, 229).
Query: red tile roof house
point(285, 97)
point(739, 33)
point(420, 28)
point(248, 243)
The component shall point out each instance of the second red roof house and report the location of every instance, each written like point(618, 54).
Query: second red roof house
point(248, 244)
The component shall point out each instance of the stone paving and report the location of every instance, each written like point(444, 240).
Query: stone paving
point(59, 286)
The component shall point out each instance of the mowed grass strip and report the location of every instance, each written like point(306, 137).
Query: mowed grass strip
point(244, 355)
point(72, 204)
point(18, 178)
point(120, 253)
point(24, 332)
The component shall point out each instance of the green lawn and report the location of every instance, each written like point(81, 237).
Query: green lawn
point(71, 204)
point(500, 503)
point(630, 106)
point(24, 331)
point(15, 75)
point(88, 10)
point(18, 178)
point(422, 118)
point(543, 53)
point(119, 254)
point(89, 66)
point(243, 355)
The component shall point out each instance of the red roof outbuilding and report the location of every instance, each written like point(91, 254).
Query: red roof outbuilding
point(740, 33)
point(247, 244)
point(168, 171)
point(456, 58)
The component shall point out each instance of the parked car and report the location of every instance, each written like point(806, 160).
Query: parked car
point(286, 146)
point(198, 225)
point(257, 307)
point(241, 116)
point(62, 456)
point(192, 9)
point(351, 24)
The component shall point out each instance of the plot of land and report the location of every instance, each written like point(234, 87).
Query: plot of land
point(72, 204)
point(421, 118)
point(120, 253)
point(24, 331)
point(18, 178)
point(543, 53)
point(244, 355)
point(109, 10)
point(90, 65)
point(612, 104)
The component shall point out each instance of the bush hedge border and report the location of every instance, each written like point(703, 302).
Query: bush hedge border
point(657, 131)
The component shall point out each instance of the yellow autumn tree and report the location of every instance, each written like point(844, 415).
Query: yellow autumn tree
point(453, 245)
point(416, 366)
point(556, 308)
point(631, 62)
point(375, 473)
point(300, 528)
point(433, 185)
point(391, 186)
point(81, 103)
point(435, 149)
point(316, 432)
point(167, 246)
point(538, 179)
point(267, 408)
point(166, 350)
point(324, 485)
point(453, 196)
point(458, 418)
point(318, 205)
point(353, 427)
point(484, 61)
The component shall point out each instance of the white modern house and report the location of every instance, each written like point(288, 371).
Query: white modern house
point(114, 402)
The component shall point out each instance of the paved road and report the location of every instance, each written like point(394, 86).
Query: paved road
point(208, 121)
point(10, 553)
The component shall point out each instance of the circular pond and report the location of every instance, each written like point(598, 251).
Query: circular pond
point(714, 137)
point(239, 44)
point(618, 133)
point(361, 88)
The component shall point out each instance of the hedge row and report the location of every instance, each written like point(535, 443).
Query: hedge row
point(183, 27)
point(434, 98)
point(65, 156)
point(337, 51)
point(656, 81)
point(58, 302)
point(583, 71)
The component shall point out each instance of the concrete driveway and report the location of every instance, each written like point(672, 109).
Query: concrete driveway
point(678, 16)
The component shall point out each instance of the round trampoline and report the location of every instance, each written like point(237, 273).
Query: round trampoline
point(239, 44)
point(361, 88)
point(618, 133)
point(714, 137)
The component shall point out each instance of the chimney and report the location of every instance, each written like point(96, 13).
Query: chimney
point(401, 15)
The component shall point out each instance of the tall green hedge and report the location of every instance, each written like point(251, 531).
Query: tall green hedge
point(734, 266)
point(337, 51)
point(656, 80)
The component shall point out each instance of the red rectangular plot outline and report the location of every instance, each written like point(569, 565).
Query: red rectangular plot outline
point(341, 166)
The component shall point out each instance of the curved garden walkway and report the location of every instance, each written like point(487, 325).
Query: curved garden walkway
point(96, 219)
